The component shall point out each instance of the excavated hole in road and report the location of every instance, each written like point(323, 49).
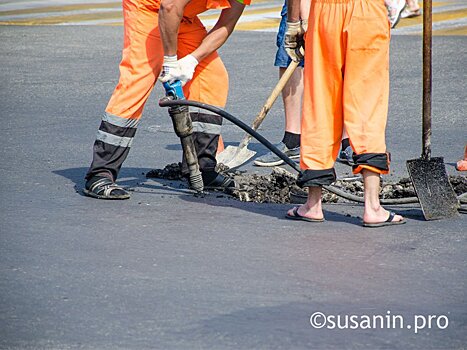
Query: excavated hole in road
point(277, 186)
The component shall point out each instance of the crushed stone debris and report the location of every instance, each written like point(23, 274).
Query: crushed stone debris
point(280, 185)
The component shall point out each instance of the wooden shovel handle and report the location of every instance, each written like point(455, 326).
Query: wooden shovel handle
point(270, 101)
point(427, 79)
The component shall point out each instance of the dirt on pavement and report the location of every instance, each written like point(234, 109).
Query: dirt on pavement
point(277, 186)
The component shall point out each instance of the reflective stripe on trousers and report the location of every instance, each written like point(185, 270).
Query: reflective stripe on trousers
point(140, 67)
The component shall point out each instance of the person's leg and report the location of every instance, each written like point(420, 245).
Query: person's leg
point(139, 68)
point(292, 100)
point(322, 121)
point(412, 9)
point(366, 95)
point(322, 124)
point(293, 90)
point(366, 86)
point(395, 9)
point(374, 212)
point(312, 209)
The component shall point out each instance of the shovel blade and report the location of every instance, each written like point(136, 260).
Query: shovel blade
point(233, 157)
point(434, 191)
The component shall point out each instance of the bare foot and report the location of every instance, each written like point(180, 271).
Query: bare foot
point(379, 215)
point(305, 211)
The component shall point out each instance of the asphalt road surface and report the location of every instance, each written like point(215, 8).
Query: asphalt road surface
point(166, 270)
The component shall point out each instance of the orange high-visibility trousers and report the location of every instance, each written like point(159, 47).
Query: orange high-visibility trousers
point(346, 83)
point(143, 57)
point(141, 64)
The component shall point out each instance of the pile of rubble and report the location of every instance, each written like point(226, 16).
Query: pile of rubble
point(280, 186)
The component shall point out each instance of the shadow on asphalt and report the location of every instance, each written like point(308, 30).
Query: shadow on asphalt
point(277, 211)
point(131, 178)
point(135, 180)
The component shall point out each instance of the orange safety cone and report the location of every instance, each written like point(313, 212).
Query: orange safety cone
point(462, 164)
point(220, 145)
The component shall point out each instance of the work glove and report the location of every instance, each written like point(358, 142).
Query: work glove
point(293, 40)
point(182, 70)
point(304, 23)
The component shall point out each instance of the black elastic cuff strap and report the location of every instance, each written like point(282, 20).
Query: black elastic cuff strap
point(376, 160)
point(313, 178)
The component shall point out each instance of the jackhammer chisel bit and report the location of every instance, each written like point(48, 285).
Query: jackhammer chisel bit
point(183, 127)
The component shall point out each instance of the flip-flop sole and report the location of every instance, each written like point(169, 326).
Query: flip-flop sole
point(299, 217)
point(97, 196)
point(385, 223)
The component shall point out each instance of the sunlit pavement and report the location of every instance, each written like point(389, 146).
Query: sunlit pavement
point(449, 16)
point(167, 270)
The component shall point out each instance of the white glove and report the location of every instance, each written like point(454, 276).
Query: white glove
point(182, 70)
point(293, 40)
point(304, 23)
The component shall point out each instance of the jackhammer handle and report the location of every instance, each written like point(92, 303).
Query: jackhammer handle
point(174, 90)
point(270, 101)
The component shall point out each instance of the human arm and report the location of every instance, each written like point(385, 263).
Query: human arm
point(221, 31)
point(304, 13)
point(170, 16)
point(293, 10)
point(183, 69)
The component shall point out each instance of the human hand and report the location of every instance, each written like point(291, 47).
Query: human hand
point(293, 40)
point(181, 70)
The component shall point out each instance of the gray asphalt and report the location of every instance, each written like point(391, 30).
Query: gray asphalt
point(166, 270)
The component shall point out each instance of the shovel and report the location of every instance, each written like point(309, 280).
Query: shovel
point(434, 191)
point(233, 156)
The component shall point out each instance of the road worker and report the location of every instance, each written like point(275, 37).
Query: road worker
point(346, 84)
point(292, 100)
point(165, 36)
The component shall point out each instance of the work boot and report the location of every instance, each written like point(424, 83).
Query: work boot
point(214, 181)
point(271, 159)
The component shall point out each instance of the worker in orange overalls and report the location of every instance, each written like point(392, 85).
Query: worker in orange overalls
point(167, 36)
point(346, 84)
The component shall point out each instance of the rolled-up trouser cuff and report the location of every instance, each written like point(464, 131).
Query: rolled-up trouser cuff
point(316, 178)
point(376, 162)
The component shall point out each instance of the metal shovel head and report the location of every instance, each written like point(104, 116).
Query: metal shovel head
point(233, 156)
point(434, 191)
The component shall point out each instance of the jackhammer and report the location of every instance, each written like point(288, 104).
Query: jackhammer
point(183, 127)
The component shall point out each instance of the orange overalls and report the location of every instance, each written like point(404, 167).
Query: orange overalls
point(346, 84)
point(140, 67)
